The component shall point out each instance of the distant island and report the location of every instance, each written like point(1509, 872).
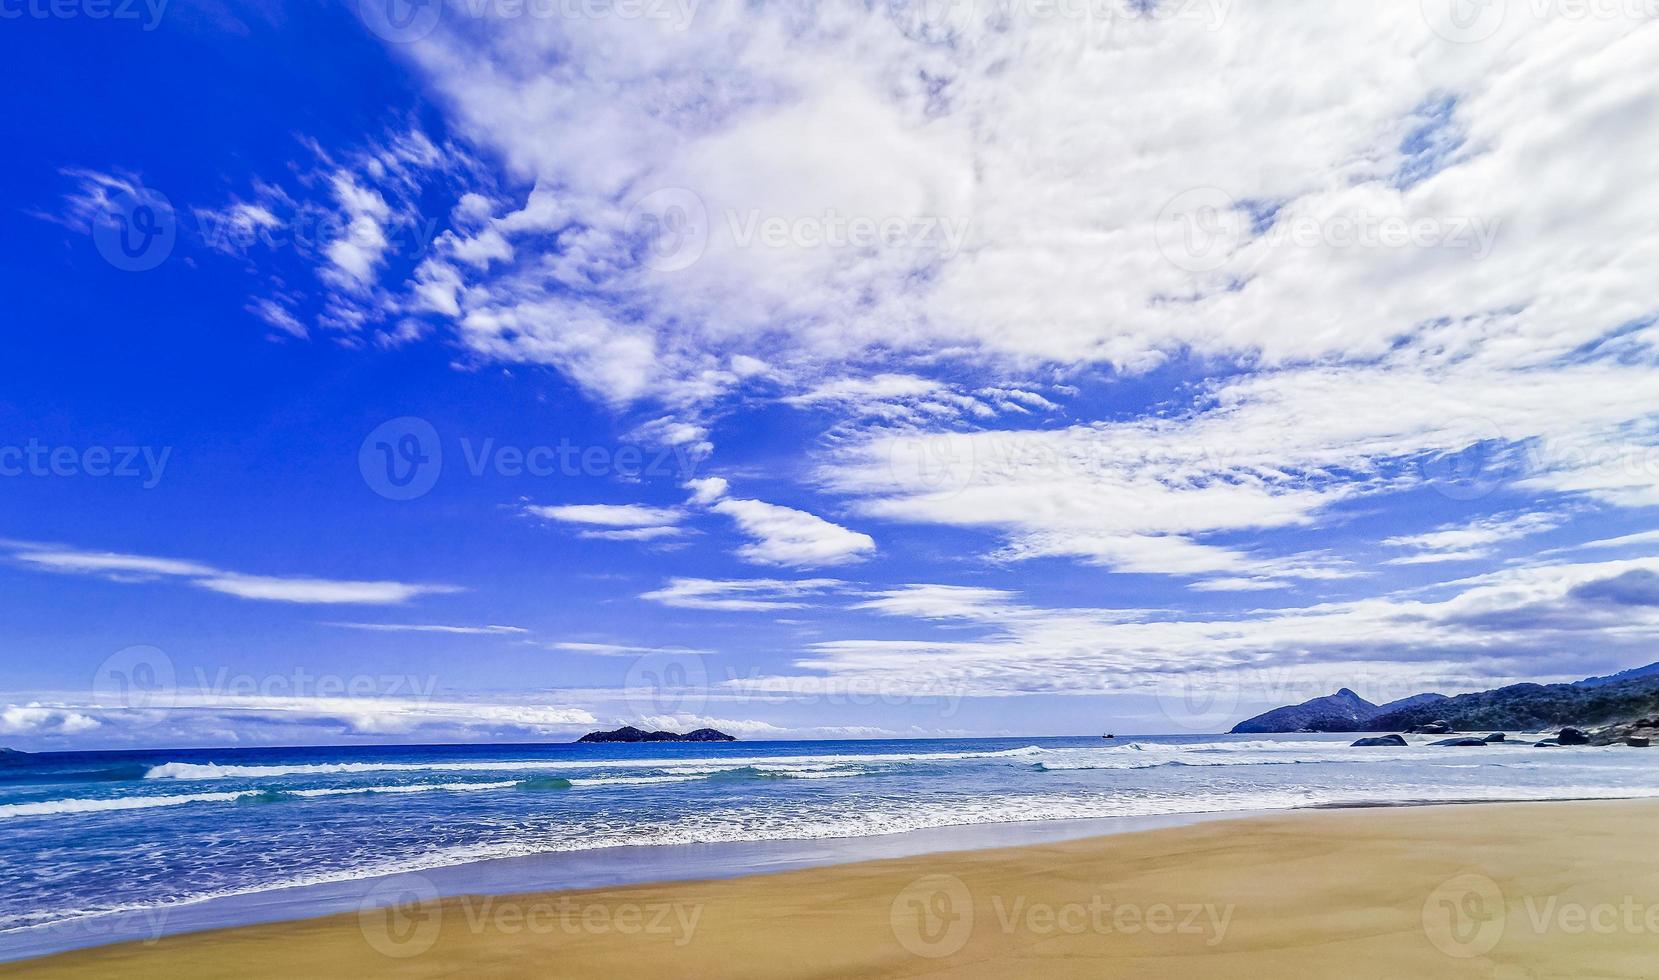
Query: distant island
point(628, 733)
point(1343, 711)
point(1624, 704)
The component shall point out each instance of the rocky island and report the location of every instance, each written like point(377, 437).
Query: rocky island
point(628, 733)
point(1621, 708)
point(1343, 711)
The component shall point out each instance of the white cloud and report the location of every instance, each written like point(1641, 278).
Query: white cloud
point(619, 649)
point(279, 718)
point(94, 198)
point(1471, 540)
point(36, 719)
point(1427, 341)
point(278, 316)
point(983, 133)
point(786, 536)
point(359, 251)
point(622, 522)
point(1261, 451)
point(433, 628)
point(1512, 313)
point(1528, 622)
point(110, 563)
point(942, 602)
point(866, 392)
point(129, 568)
point(691, 437)
point(1623, 541)
point(707, 490)
point(608, 515)
point(634, 534)
point(741, 595)
point(317, 590)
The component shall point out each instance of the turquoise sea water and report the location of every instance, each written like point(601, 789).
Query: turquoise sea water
point(87, 835)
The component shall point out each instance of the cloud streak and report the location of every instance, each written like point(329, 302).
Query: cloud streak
point(119, 567)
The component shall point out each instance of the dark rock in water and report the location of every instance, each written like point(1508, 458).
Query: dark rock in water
point(1462, 743)
point(628, 733)
point(1637, 742)
point(1495, 737)
point(1572, 736)
point(1546, 743)
point(1379, 742)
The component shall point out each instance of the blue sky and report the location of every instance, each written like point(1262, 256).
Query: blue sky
point(830, 371)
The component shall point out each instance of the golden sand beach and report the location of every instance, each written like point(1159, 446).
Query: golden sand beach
point(1535, 890)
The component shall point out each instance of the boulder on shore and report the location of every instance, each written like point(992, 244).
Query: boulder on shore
point(1572, 736)
point(1637, 742)
point(1462, 743)
point(1380, 741)
point(1434, 728)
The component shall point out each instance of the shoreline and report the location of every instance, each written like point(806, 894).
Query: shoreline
point(558, 871)
point(698, 866)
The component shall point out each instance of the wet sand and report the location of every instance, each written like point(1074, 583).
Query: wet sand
point(1526, 890)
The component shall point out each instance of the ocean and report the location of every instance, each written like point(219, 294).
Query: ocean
point(102, 845)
